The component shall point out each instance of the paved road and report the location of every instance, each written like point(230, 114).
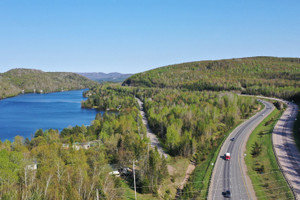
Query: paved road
point(285, 148)
point(231, 175)
point(153, 139)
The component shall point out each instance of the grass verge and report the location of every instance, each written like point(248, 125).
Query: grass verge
point(267, 179)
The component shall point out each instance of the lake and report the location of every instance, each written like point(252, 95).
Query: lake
point(24, 114)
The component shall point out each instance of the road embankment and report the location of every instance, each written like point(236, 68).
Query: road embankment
point(266, 177)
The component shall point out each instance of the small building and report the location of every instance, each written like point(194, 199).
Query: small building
point(31, 167)
point(76, 146)
point(86, 145)
point(65, 146)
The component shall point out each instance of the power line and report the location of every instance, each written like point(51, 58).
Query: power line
point(236, 187)
point(200, 181)
point(235, 195)
point(268, 182)
point(195, 191)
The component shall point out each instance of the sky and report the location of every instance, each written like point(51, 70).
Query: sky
point(131, 36)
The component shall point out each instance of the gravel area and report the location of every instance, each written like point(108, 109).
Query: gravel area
point(153, 138)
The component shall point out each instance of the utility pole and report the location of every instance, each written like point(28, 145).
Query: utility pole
point(148, 150)
point(148, 156)
point(97, 194)
point(134, 180)
point(138, 122)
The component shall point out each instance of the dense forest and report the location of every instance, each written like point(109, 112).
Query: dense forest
point(189, 123)
point(16, 81)
point(76, 164)
point(269, 76)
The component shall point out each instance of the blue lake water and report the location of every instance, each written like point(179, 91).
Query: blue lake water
point(24, 114)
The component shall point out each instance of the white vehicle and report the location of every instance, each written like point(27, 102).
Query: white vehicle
point(115, 173)
point(227, 156)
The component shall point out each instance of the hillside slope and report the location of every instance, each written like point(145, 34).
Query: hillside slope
point(14, 81)
point(268, 76)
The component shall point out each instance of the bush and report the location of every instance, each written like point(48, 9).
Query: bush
point(256, 149)
point(260, 169)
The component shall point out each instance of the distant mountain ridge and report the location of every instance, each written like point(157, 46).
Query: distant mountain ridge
point(105, 77)
point(17, 81)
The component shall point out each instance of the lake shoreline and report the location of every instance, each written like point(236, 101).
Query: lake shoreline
point(26, 113)
point(20, 94)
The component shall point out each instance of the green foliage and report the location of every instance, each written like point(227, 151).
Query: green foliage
point(66, 169)
point(106, 97)
point(14, 81)
point(172, 138)
point(278, 105)
point(256, 149)
point(260, 169)
point(185, 120)
point(268, 76)
point(189, 123)
point(10, 166)
point(267, 179)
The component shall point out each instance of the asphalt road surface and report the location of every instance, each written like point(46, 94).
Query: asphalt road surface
point(231, 175)
point(285, 148)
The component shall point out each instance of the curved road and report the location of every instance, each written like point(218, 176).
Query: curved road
point(231, 175)
point(285, 148)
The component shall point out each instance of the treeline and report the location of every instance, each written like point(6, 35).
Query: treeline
point(184, 120)
point(67, 169)
point(16, 81)
point(187, 121)
point(269, 76)
point(109, 97)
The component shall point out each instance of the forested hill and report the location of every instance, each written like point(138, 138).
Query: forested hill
point(268, 76)
point(14, 81)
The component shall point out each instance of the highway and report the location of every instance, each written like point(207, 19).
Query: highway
point(231, 175)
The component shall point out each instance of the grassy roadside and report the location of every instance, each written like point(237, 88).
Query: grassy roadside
point(296, 131)
point(267, 180)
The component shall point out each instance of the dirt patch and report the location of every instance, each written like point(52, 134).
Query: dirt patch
point(171, 170)
point(188, 173)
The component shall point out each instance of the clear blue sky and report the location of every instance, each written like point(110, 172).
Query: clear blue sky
point(131, 36)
